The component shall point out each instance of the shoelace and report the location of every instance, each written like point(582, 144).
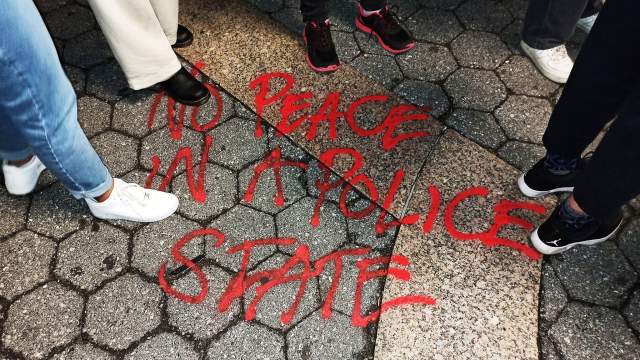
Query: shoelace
point(324, 33)
point(130, 195)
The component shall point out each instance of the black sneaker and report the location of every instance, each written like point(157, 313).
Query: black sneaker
point(321, 52)
point(184, 37)
point(538, 181)
point(384, 25)
point(556, 235)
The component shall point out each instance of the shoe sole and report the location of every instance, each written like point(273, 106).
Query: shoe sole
point(529, 192)
point(326, 69)
point(182, 45)
point(367, 30)
point(198, 102)
point(549, 75)
point(549, 250)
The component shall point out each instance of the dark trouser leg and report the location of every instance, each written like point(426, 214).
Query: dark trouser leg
point(612, 178)
point(605, 82)
point(550, 23)
point(373, 5)
point(314, 10)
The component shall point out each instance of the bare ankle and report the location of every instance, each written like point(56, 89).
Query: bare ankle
point(574, 205)
point(105, 196)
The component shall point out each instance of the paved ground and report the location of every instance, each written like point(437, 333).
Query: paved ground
point(73, 287)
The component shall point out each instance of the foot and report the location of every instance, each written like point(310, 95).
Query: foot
point(321, 51)
point(184, 37)
point(556, 234)
point(555, 64)
point(186, 89)
point(585, 24)
point(384, 25)
point(134, 203)
point(22, 180)
point(538, 181)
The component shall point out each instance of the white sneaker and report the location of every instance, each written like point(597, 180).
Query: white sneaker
point(134, 203)
point(585, 24)
point(21, 180)
point(553, 63)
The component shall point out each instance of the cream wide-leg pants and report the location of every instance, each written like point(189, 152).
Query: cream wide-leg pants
point(140, 34)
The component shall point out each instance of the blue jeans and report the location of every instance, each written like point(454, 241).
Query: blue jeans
point(38, 112)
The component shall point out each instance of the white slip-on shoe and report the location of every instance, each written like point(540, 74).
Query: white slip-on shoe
point(555, 64)
point(21, 180)
point(134, 203)
point(585, 24)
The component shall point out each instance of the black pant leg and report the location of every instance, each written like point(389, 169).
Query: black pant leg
point(372, 5)
point(604, 74)
point(612, 178)
point(550, 23)
point(314, 10)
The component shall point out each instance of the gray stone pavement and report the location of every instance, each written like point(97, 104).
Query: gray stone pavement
point(73, 287)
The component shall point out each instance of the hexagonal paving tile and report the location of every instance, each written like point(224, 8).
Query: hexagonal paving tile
point(522, 77)
point(521, 155)
point(553, 297)
point(202, 320)
point(91, 256)
point(87, 50)
point(248, 341)
point(484, 15)
point(295, 222)
point(220, 186)
point(207, 112)
point(238, 225)
point(427, 62)
point(434, 25)
point(122, 312)
point(316, 338)
point(289, 149)
point(478, 126)
point(77, 78)
point(107, 81)
point(595, 274)
point(279, 299)
point(265, 192)
point(629, 242)
point(54, 212)
point(475, 89)
point(423, 93)
point(13, 210)
point(69, 21)
point(131, 114)
point(343, 300)
point(93, 115)
point(118, 152)
point(346, 46)
point(584, 332)
point(379, 68)
point(479, 50)
point(290, 18)
point(369, 44)
point(632, 311)
point(363, 231)
point(50, 314)
point(152, 245)
point(235, 145)
point(164, 346)
point(517, 8)
point(524, 118)
point(315, 173)
point(166, 148)
point(24, 260)
point(83, 351)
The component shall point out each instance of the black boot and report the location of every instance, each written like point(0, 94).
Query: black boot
point(184, 37)
point(186, 89)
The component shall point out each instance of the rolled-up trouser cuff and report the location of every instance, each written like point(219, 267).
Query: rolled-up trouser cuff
point(143, 81)
point(95, 192)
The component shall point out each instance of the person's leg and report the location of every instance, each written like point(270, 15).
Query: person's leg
point(13, 147)
point(137, 40)
point(605, 73)
point(612, 177)
point(314, 10)
point(37, 99)
point(167, 13)
point(550, 23)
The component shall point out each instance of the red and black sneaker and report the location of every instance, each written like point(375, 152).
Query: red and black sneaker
point(321, 52)
point(384, 25)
